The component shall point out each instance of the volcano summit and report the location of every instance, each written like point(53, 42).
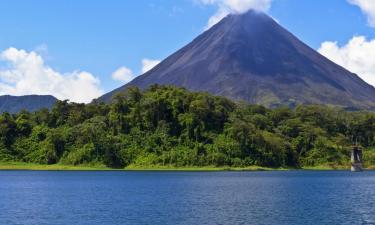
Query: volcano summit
point(251, 57)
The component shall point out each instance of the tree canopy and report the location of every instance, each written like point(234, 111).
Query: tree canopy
point(169, 126)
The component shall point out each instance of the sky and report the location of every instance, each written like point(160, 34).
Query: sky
point(79, 50)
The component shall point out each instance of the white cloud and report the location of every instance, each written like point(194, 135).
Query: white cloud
point(148, 64)
point(123, 74)
point(126, 75)
point(358, 56)
point(26, 73)
point(226, 7)
point(368, 8)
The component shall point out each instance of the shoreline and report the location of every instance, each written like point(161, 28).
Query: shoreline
point(61, 167)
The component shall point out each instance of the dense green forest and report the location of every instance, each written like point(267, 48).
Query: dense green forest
point(168, 126)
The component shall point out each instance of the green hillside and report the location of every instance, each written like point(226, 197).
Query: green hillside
point(171, 127)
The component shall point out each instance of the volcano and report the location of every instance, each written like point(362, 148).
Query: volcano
point(251, 57)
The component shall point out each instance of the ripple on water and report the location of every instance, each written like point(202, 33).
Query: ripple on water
point(290, 197)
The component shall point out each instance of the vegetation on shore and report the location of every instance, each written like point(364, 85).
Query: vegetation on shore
point(88, 167)
point(172, 128)
point(35, 166)
point(93, 167)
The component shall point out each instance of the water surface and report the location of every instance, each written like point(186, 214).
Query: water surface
point(290, 197)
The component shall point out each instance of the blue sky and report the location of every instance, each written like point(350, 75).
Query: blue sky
point(99, 37)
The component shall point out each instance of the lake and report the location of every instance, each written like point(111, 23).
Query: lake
point(117, 197)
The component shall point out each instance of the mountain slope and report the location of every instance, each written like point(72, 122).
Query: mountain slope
point(14, 104)
point(251, 57)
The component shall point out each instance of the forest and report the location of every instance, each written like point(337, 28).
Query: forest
point(169, 126)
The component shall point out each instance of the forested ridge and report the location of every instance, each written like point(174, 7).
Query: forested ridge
point(169, 126)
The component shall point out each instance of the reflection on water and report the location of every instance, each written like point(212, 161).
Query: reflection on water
point(294, 197)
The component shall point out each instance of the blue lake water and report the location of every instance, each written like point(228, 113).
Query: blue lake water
point(291, 197)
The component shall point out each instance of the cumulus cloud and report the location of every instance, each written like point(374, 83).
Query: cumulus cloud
point(226, 7)
point(357, 56)
point(26, 73)
point(126, 75)
point(368, 8)
point(123, 74)
point(148, 64)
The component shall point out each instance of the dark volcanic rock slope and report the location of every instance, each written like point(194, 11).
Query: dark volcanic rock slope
point(14, 104)
point(251, 57)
